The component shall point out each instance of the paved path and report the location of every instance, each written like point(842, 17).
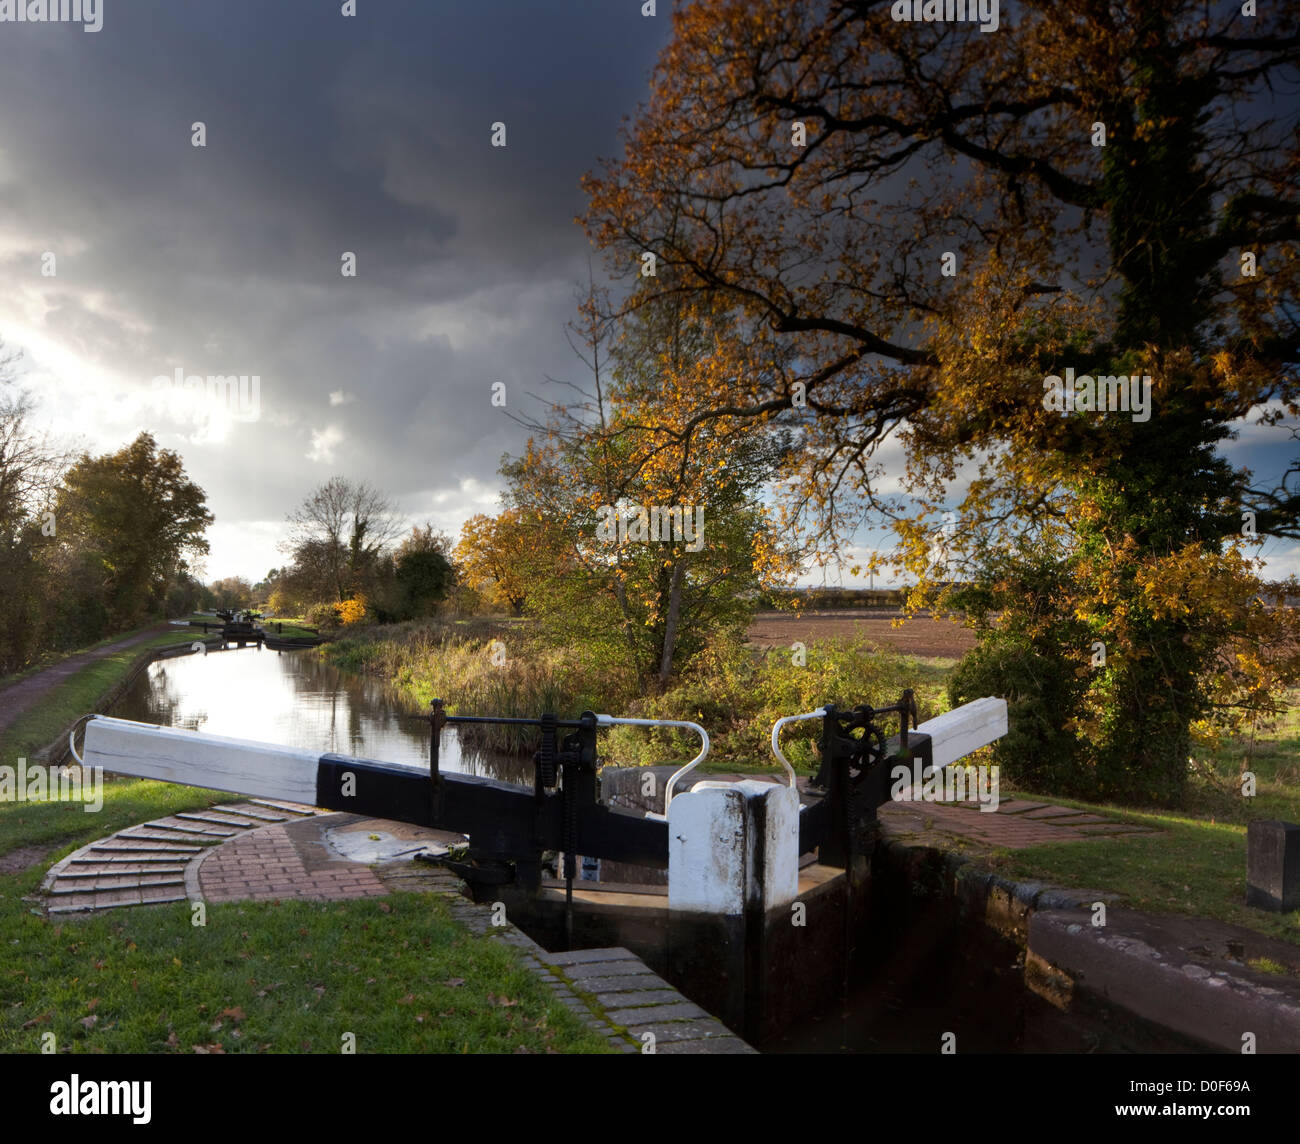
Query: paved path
point(1016, 824)
point(159, 860)
point(17, 697)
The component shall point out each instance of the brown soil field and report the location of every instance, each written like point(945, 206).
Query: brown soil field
point(923, 635)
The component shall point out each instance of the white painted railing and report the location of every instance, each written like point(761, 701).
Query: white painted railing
point(611, 720)
point(776, 737)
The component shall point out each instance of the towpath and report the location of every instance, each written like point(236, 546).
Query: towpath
point(19, 696)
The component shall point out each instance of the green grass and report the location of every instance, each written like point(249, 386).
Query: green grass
point(1197, 864)
point(290, 629)
point(1192, 867)
point(397, 972)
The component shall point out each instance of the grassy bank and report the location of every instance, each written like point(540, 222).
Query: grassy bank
point(399, 973)
point(1197, 864)
point(270, 977)
point(736, 692)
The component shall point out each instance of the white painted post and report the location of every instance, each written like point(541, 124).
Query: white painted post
point(732, 845)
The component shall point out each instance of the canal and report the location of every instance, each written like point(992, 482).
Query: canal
point(922, 975)
point(294, 699)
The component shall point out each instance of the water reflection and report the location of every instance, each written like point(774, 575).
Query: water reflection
point(293, 699)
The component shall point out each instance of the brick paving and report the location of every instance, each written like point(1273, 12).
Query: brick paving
point(1013, 826)
point(265, 865)
point(159, 861)
point(1016, 824)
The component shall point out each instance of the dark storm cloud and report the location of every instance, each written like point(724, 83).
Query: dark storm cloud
point(325, 134)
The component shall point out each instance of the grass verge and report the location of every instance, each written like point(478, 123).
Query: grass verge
point(399, 973)
point(37, 726)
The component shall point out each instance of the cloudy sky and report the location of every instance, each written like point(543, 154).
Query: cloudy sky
point(324, 135)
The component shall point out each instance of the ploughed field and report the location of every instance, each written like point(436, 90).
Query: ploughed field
point(922, 635)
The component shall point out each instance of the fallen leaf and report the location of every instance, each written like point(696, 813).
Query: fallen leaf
point(90, 1005)
point(37, 1020)
point(89, 1022)
point(205, 1050)
point(454, 982)
point(408, 999)
point(172, 1042)
point(235, 1014)
point(386, 907)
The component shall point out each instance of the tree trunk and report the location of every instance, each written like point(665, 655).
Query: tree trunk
point(670, 625)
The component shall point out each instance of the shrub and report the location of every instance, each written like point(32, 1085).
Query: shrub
point(1036, 754)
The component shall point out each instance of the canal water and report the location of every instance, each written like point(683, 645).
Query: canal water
point(294, 699)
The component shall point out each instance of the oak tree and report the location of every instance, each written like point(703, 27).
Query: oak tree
point(923, 223)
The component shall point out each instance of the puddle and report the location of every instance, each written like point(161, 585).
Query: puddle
point(377, 842)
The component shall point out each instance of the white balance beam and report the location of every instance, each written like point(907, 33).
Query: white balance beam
point(965, 729)
point(212, 762)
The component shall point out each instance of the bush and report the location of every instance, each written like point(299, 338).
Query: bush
point(737, 693)
point(1036, 754)
point(352, 612)
point(321, 615)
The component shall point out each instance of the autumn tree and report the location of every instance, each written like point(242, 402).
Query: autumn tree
point(338, 534)
point(495, 555)
point(232, 592)
point(29, 471)
point(653, 516)
point(130, 522)
point(923, 223)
